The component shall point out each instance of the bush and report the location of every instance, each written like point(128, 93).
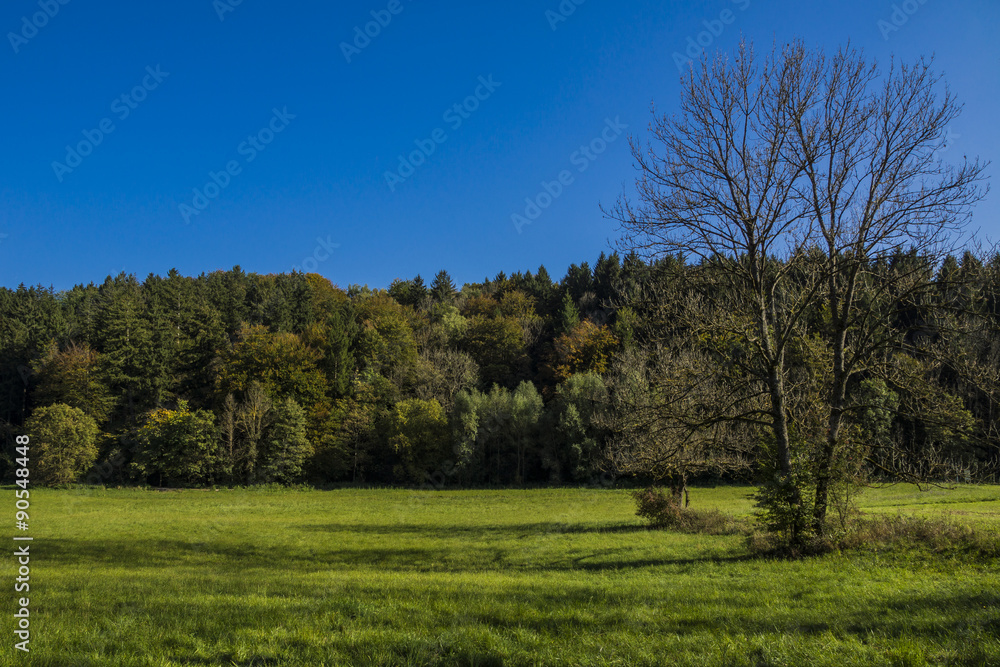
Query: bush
point(660, 509)
point(63, 443)
point(937, 534)
point(664, 510)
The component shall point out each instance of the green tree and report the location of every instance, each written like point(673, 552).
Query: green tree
point(441, 373)
point(63, 442)
point(584, 348)
point(135, 368)
point(386, 344)
point(30, 318)
point(607, 278)
point(408, 292)
point(285, 447)
point(280, 362)
point(443, 288)
point(71, 376)
point(578, 281)
point(417, 434)
point(252, 418)
point(569, 315)
point(496, 434)
point(178, 447)
point(572, 448)
point(334, 334)
point(226, 291)
point(497, 345)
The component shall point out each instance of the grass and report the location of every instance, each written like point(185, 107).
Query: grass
point(536, 577)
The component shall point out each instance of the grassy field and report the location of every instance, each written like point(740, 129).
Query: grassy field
point(535, 577)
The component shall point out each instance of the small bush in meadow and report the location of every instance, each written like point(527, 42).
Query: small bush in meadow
point(664, 510)
point(657, 507)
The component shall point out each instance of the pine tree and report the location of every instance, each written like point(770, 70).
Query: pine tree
point(131, 364)
point(607, 274)
point(443, 288)
point(569, 316)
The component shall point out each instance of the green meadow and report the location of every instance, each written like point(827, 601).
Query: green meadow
point(529, 577)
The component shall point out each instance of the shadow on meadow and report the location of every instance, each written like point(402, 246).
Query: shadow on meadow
point(344, 610)
point(439, 531)
point(585, 605)
point(520, 550)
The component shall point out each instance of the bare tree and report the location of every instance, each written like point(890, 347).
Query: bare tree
point(653, 414)
point(252, 419)
point(787, 178)
point(873, 186)
point(722, 191)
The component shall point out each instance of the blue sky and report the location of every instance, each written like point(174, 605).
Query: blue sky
point(258, 104)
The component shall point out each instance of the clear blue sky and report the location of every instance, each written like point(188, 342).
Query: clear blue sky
point(323, 175)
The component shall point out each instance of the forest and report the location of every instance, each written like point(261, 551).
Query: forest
point(237, 378)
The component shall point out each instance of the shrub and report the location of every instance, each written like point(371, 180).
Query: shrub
point(664, 510)
point(660, 509)
point(937, 534)
point(886, 533)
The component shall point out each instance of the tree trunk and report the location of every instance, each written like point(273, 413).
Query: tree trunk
point(783, 451)
point(840, 302)
point(824, 475)
point(779, 415)
point(838, 400)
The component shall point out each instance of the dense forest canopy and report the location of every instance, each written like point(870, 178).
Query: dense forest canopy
point(237, 378)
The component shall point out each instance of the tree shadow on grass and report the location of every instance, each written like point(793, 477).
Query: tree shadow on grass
point(587, 606)
point(492, 556)
point(452, 530)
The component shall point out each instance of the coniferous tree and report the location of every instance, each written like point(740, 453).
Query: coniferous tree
point(569, 315)
point(443, 288)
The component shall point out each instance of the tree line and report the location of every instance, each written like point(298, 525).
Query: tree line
point(242, 378)
point(236, 378)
